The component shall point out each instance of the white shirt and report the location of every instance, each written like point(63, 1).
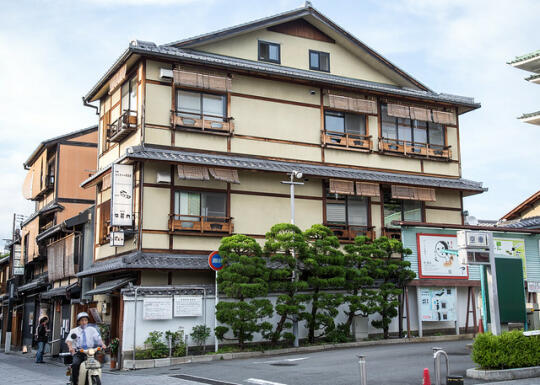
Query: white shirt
point(93, 339)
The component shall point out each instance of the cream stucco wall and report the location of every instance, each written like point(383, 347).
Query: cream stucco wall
point(158, 104)
point(295, 53)
point(275, 89)
point(533, 211)
point(156, 208)
point(188, 277)
point(278, 150)
point(443, 216)
point(372, 160)
point(153, 68)
point(376, 219)
point(446, 198)
point(154, 278)
point(188, 242)
point(271, 183)
point(200, 141)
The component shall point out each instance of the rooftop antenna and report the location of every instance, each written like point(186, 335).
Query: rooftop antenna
point(308, 4)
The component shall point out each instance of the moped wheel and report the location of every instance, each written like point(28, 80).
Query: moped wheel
point(95, 380)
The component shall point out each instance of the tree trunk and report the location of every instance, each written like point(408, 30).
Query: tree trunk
point(400, 315)
point(279, 328)
point(314, 308)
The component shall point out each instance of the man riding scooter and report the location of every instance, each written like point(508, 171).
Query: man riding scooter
point(82, 337)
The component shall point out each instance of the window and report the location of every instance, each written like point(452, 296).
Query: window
point(198, 105)
point(400, 209)
point(190, 206)
point(319, 61)
point(129, 95)
point(417, 131)
point(269, 52)
point(346, 210)
point(345, 123)
point(104, 221)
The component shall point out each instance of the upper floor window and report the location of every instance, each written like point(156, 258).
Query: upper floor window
point(345, 123)
point(129, 95)
point(199, 105)
point(319, 61)
point(347, 215)
point(270, 52)
point(400, 209)
point(200, 211)
point(412, 136)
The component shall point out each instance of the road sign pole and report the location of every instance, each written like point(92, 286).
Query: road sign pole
point(215, 263)
point(215, 319)
point(493, 291)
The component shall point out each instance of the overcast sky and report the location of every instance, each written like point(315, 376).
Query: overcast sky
point(53, 52)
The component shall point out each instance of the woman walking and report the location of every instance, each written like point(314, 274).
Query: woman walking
point(41, 338)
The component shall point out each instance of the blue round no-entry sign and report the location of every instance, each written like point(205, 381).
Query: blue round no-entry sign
point(215, 261)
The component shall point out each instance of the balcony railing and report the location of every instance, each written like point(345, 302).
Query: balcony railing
point(392, 233)
point(347, 140)
point(212, 124)
point(123, 126)
point(414, 148)
point(350, 232)
point(200, 224)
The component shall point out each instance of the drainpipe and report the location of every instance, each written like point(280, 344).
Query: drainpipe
point(159, 288)
point(86, 104)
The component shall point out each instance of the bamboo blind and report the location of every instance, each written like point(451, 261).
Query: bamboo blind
point(418, 113)
point(367, 189)
point(339, 102)
point(201, 80)
point(345, 187)
point(398, 111)
point(192, 172)
point(413, 193)
point(225, 174)
point(443, 117)
point(106, 182)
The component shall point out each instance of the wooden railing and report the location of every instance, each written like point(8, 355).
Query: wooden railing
point(212, 124)
point(346, 140)
point(123, 126)
point(200, 223)
point(349, 232)
point(414, 148)
point(392, 233)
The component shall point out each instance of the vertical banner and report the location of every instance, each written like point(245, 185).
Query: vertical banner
point(122, 195)
point(18, 266)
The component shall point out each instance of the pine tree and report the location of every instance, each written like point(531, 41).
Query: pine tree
point(324, 269)
point(394, 273)
point(243, 278)
point(359, 281)
point(285, 248)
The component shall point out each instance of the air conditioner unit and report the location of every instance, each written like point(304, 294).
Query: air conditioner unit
point(165, 74)
point(163, 177)
point(467, 239)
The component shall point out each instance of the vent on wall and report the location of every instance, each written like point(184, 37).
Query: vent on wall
point(163, 177)
point(165, 74)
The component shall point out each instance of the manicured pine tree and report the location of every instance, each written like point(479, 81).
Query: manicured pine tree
point(324, 269)
point(243, 278)
point(394, 273)
point(359, 281)
point(285, 249)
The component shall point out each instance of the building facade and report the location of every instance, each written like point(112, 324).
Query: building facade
point(530, 63)
point(207, 128)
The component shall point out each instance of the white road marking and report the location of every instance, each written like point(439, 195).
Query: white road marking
point(286, 360)
point(262, 382)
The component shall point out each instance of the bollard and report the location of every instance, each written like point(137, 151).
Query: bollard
point(437, 352)
point(170, 346)
point(186, 345)
point(362, 365)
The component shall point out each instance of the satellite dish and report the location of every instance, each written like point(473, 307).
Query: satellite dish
point(472, 221)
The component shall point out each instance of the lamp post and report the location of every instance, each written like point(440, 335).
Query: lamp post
point(292, 183)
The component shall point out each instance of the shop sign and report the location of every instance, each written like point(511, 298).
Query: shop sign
point(18, 267)
point(438, 257)
point(511, 248)
point(157, 308)
point(188, 305)
point(438, 304)
point(122, 195)
point(116, 238)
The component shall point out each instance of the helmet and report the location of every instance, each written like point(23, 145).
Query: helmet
point(82, 315)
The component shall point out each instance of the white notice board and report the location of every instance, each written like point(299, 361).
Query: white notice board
point(156, 308)
point(438, 304)
point(188, 305)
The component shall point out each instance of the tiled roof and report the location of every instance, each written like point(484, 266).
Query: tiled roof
point(34, 284)
point(294, 73)
point(526, 223)
point(51, 206)
point(525, 57)
point(529, 115)
point(171, 290)
point(532, 77)
point(248, 163)
point(109, 286)
point(142, 260)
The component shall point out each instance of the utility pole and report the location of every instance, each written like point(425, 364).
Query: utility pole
point(292, 183)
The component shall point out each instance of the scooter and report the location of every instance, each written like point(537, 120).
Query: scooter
point(90, 369)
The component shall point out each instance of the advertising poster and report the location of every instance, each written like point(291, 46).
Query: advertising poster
point(18, 266)
point(438, 304)
point(122, 195)
point(188, 305)
point(511, 248)
point(438, 257)
point(156, 308)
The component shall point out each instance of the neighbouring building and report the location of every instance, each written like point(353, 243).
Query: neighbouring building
point(530, 63)
point(55, 170)
point(200, 132)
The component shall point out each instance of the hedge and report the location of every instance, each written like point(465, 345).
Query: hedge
point(507, 351)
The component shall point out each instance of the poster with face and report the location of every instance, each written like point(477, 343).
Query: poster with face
point(438, 257)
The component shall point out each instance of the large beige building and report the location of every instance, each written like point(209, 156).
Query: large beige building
point(530, 63)
point(212, 124)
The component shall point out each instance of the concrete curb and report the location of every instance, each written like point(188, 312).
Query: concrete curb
point(504, 374)
point(139, 364)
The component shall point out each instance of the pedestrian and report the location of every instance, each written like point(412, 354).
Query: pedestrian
point(42, 338)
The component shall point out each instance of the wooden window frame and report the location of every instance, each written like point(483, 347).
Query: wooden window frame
point(311, 67)
point(386, 189)
point(350, 141)
point(260, 58)
point(104, 223)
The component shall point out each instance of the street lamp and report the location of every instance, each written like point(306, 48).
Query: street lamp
point(292, 183)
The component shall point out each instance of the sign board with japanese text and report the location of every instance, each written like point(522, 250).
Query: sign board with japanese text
point(188, 305)
point(438, 257)
point(157, 308)
point(511, 248)
point(122, 195)
point(438, 304)
point(18, 266)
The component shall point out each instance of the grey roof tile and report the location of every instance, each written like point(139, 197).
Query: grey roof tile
point(248, 163)
point(109, 286)
point(526, 223)
point(51, 206)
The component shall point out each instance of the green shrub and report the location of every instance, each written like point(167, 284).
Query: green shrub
point(509, 350)
point(177, 341)
point(157, 348)
point(199, 334)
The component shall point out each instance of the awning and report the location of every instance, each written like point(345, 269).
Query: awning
point(109, 286)
point(59, 291)
point(36, 283)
